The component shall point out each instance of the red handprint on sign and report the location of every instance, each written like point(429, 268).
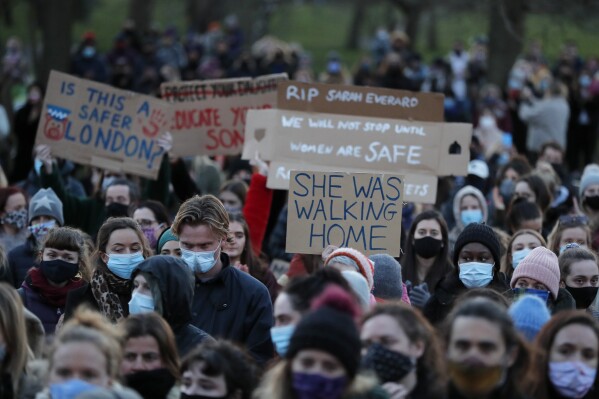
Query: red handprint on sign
point(154, 124)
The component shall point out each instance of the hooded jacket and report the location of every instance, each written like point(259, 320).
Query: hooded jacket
point(175, 282)
point(457, 200)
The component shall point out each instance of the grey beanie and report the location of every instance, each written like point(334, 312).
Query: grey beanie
point(46, 203)
point(589, 176)
point(387, 277)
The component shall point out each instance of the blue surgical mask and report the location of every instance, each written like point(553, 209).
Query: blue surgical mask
point(476, 274)
point(199, 262)
point(40, 230)
point(281, 336)
point(471, 216)
point(141, 303)
point(517, 256)
point(70, 389)
point(123, 264)
point(107, 181)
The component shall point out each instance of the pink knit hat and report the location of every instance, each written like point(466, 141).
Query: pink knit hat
point(364, 264)
point(541, 265)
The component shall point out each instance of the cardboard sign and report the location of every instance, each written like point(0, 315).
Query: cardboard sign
point(95, 124)
point(361, 211)
point(360, 142)
point(358, 100)
point(417, 188)
point(209, 116)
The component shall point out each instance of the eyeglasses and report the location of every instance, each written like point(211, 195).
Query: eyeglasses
point(573, 220)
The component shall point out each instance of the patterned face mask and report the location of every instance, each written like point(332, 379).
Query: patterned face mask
point(16, 218)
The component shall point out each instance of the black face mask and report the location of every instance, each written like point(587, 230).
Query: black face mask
point(592, 202)
point(427, 247)
point(58, 270)
point(151, 384)
point(584, 296)
point(116, 210)
point(389, 366)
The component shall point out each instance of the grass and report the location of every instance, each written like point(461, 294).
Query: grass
point(320, 28)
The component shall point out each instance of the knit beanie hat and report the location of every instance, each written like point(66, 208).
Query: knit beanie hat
point(165, 237)
point(529, 314)
point(330, 327)
point(46, 203)
point(387, 277)
point(589, 176)
point(359, 286)
point(481, 233)
point(365, 266)
point(541, 265)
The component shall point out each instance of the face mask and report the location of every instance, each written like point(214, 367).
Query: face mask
point(199, 262)
point(40, 230)
point(584, 296)
point(232, 209)
point(123, 265)
point(316, 386)
point(592, 202)
point(475, 380)
point(58, 270)
point(541, 294)
point(476, 274)
point(517, 256)
point(16, 218)
point(70, 389)
point(487, 122)
point(89, 51)
point(152, 383)
point(506, 189)
point(107, 182)
point(141, 303)
point(427, 247)
point(389, 366)
point(116, 210)
point(150, 234)
point(471, 216)
point(281, 337)
point(571, 379)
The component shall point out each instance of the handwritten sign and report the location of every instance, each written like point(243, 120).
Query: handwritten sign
point(418, 188)
point(361, 211)
point(360, 142)
point(95, 124)
point(358, 100)
point(209, 116)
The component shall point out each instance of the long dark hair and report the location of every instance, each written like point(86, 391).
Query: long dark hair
point(256, 267)
point(442, 263)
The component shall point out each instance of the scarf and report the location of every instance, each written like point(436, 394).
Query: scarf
point(107, 290)
point(55, 296)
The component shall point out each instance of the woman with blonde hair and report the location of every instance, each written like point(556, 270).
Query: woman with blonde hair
point(569, 229)
point(520, 244)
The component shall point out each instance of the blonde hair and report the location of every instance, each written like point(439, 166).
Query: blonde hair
point(507, 259)
point(556, 235)
point(207, 210)
point(88, 326)
point(12, 327)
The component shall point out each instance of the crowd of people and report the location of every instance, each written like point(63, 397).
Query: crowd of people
point(116, 286)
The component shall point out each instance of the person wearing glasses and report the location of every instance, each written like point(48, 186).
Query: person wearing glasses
point(153, 218)
point(570, 229)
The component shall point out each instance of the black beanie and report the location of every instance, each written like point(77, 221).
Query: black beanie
point(481, 233)
point(331, 330)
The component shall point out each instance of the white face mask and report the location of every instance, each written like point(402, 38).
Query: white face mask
point(200, 262)
point(571, 379)
point(486, 122)
point(476, 274)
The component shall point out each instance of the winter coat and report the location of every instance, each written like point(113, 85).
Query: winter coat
point(459, 225)
point(21, 259)
point(34, 302)
point(547, 120)
point(176, 285)
point(257, 210)
point(564, 301)
point(33, 182)
point(234, 305)
point(441, 302)
point(276, 243)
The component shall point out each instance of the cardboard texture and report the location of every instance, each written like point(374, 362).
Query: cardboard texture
point(417, 188)
point(209, 116)
point(95, 124)
point(357, 210)
point(360, 142)
point(359, 100)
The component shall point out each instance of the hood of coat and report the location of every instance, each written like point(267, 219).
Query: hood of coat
point(464, 191)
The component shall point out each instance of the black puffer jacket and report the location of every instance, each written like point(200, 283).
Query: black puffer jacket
point(176, 284)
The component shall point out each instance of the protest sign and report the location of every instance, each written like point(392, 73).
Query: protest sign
point(361, 211)
point(95, 124)
point(209, 116)
point(418, 188)
point(360, 142)
point(360, 100)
